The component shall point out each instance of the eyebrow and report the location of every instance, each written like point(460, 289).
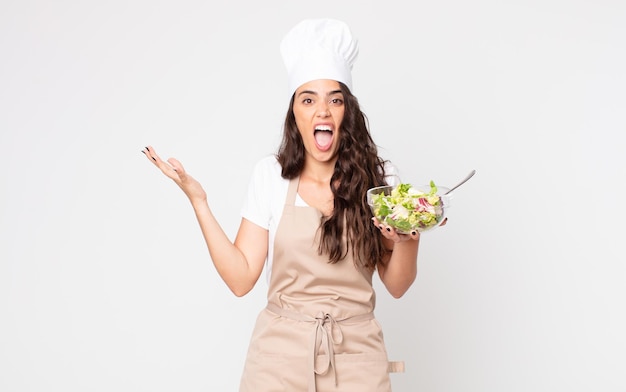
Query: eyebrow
point(315, 93)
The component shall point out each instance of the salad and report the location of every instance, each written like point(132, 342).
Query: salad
point(408, 208)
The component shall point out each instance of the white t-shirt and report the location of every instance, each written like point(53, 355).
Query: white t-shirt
point(267, 192)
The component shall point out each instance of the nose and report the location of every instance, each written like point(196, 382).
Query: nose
point(323, 110)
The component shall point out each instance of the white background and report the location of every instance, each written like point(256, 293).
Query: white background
point(105, 282)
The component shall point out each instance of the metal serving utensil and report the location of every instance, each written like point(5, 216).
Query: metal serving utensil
point(463, 181)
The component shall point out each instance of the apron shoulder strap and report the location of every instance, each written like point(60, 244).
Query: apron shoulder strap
point(292, 191)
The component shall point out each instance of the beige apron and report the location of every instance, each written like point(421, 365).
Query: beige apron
point(318, 332)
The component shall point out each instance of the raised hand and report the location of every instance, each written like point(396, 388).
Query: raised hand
point(174, 170)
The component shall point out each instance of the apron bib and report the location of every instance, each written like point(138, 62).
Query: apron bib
point(318, 332)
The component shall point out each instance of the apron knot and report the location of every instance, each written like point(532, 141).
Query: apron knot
point(327, 334)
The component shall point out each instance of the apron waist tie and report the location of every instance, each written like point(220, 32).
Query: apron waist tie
point(327, 333)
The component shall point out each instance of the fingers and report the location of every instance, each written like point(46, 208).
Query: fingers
point(150, 154)
point(390, 233)
point(176, 166)
point(166, 167)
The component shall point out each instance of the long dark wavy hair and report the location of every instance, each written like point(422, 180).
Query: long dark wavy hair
point(357, 169)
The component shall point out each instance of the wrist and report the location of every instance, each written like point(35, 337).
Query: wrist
point(199, 203)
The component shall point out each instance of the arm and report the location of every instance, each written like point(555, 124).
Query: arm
point(399, 270)
point(240, 263)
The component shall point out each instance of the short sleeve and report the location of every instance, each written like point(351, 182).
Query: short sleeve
point(257, 205)
point(392, 175)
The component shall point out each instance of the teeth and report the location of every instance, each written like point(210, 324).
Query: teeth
point(323, 128)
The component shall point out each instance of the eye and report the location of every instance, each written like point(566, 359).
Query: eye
point(336, 101)
point(307, 101)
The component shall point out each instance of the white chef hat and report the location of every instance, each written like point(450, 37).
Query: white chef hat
point(319, 49)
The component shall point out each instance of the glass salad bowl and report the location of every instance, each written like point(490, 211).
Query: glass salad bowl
point(407, 208)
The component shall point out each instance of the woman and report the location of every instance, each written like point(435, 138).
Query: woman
point(306, 215)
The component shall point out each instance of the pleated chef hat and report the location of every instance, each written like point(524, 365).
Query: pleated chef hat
point(319, 49)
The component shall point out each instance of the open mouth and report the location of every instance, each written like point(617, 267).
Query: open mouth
point(323, 136)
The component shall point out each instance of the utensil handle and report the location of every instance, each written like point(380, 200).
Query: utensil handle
point(463, 181)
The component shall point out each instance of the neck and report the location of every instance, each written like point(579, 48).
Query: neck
point(319, 171)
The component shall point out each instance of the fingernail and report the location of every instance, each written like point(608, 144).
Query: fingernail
point(143, 151)
point(154, 159)
point(147, 149)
